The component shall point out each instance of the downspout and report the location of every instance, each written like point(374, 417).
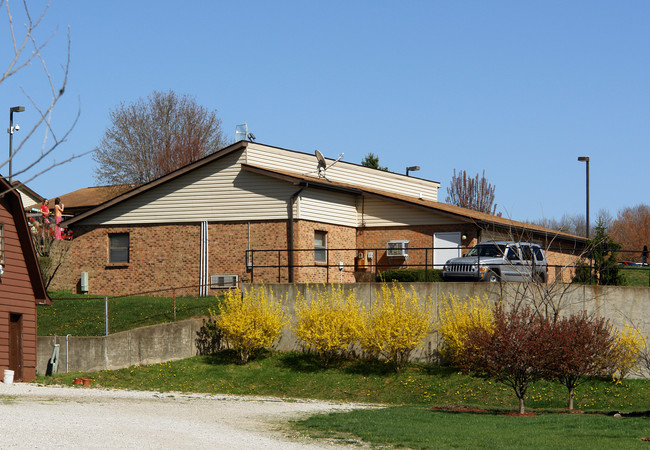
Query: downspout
point(203, 258)
point(292, 201)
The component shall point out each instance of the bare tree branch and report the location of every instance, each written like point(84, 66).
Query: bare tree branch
point(16, 65)
point(22, 58)
point(471, 193)
point(155, 136)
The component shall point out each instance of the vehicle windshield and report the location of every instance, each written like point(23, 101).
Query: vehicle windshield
point(487, 250)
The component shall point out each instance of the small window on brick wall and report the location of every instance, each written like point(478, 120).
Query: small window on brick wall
point(118, 248)
point(320, 246)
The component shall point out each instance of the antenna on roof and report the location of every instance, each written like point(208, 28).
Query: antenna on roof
point(242, 133)
point(322, 163)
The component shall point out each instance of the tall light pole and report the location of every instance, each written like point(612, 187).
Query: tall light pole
point(585, 159)
point(11, 130)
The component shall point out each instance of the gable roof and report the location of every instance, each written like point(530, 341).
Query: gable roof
point(458, 213)
point(243, 146)
point(26, 245)
point(152, 184)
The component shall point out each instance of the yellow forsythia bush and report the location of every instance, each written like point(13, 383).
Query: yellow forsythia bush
point(396, 324)
point(457, 318)
point(626, 351)
point(329, 322)
point(252, 322)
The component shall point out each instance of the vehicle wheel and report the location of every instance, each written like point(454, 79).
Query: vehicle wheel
point(492, 277)
point(541, 278)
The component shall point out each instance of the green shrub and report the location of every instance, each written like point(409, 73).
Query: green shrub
point(602, 253)
point(209, 339)
point(329, 322)
point(396, 324)
point(250, 322)
point(410, 275)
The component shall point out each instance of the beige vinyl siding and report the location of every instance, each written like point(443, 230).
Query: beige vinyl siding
point(342, 172)
point(219, 191)
point(28, 201)
point(374, 212)
point(328, 207)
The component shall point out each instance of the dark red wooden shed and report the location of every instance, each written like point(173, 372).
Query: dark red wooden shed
point(21, 289)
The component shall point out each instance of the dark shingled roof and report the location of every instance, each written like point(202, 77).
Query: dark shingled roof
point(82, 200)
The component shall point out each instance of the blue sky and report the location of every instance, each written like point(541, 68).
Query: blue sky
point(518, 89)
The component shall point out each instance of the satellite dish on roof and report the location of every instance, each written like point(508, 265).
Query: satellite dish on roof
point(322, 164)
point(320, 158)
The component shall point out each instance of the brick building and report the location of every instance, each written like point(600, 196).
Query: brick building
point(252, 212)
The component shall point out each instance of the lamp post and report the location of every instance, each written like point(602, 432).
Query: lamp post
point(411, 169)
point(11, 130)
point(585, 159)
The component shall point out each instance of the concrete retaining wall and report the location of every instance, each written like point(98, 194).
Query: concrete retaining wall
point(146, 345)
point(166, 342)
point(621, 305)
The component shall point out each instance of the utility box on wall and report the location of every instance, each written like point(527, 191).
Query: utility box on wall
point(361, 261)
point(83, 283)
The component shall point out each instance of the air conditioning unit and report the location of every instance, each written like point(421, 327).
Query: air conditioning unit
point(223, 281)
point(397, 249)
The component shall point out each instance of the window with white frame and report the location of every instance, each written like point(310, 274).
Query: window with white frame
point(118, 248)
point(320, 246)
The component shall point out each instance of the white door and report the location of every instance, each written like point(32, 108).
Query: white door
point(445, 246)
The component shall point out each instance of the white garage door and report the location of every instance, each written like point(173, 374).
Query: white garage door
point(445, 246)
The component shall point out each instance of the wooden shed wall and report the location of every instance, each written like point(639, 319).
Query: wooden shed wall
point(16, 297)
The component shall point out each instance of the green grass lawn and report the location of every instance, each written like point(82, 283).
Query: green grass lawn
point(418, 427)
point(299, 375)
point(83, 315)
point(423, 400)
point(409, 420)
point(636, 276)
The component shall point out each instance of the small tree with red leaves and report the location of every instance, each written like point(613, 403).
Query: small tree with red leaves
point(515, 353)
point(472, 193)
point(580, 348)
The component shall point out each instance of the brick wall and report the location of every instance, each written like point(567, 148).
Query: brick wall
point(166, 256)
point(419, 236)
point(229, 242)
point(338, 237)
point(160, 256)
point(561, 266)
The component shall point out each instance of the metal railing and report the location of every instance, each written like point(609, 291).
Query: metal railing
point(278, 264)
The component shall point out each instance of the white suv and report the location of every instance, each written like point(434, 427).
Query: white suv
point(499, 261)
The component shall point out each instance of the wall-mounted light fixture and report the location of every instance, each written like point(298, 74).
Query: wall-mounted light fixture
point(411, 169)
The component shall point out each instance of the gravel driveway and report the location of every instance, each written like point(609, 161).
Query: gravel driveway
point(33, 416)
